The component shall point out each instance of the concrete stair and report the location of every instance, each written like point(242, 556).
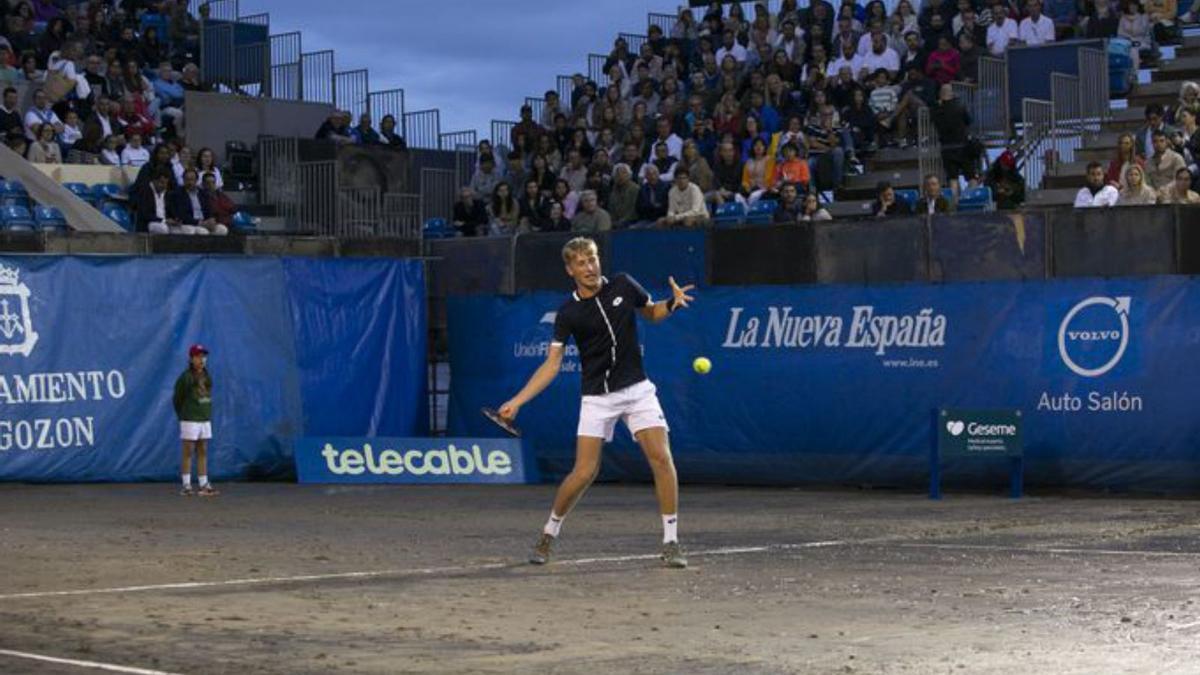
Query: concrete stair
point(1180, 68)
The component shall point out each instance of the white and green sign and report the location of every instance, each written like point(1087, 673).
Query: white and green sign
point(975, 433)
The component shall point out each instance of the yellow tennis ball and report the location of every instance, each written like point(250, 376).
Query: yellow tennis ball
point(701, 365)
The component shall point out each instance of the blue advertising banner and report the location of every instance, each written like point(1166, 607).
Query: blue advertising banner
point(90, 349)
point(412, 461)
point(837, 383)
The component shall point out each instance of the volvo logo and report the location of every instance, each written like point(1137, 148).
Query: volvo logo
point(1072, 338)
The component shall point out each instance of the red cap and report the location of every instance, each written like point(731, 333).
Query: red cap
point(197, 349)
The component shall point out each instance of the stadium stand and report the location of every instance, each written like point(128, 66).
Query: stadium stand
point(1006, 111)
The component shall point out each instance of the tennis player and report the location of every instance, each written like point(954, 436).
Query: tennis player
point(602, 317)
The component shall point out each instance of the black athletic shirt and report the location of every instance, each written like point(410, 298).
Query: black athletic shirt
point(605, 330)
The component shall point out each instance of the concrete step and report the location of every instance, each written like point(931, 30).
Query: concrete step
point(1154, 92)
point(260, 210)
point(892, 158)
point(1067, 177)
point(899, 178)
point(273, 224)
point(1053, 197)
point(1179, 69)
point(242, 198)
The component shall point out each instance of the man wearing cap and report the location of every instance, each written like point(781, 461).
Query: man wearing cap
point(193, 407)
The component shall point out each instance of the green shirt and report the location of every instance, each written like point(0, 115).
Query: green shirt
point(193, 396)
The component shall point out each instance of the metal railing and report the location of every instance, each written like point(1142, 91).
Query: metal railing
point(316, 71)
point(929, 148)
point(664, 21)
point(389, 102)
point(1037, 140)
point(634, 41)
point(502, 133)
point(438, 191)
point(359, 212)
point(262, 19)
point(1068, 119)
point(350, 91)
point(285, 66)
point(317, 197)
point(538, 105)
point(1095, 106)
point(423, 129)
point(401, 216)
point(464, 165)
point(595, 69)
point(278, 170)
point(994, 119)
point(454, 140)
point(224, 10)
point(252, 69)
point(967, 94)
point(217, 58)
point(564, 85)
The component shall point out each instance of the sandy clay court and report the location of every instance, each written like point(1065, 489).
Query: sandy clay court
point(275, 578)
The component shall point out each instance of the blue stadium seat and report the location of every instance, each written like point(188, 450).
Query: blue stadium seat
point(909, 197)
point(244, 221)
point(108, 191)
point(82, 191)
point(976, 199)
point(17, 218)
point(438, 228)
point(729, 214)
point(119, 216)
point(761, 212)
point(49, 218)
point(12, 193)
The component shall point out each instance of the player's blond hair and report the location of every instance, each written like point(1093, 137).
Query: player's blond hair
point(578, 246)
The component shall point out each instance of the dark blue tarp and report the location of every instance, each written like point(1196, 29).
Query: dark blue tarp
point(837, 383)
point(298, 346)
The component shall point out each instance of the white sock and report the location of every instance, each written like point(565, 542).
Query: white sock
point(187, 480)
point(553, 525)
point(670, 521)
point(203, 481)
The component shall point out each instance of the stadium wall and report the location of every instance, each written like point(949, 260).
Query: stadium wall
point(215, 119)
point(835, 383)
point(91, 348)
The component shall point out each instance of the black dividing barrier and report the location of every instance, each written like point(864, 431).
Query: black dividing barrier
point(379, 247)
point(470, 265)
point(762, 255)
point(872, 252)
point(539, 264)
point(1188, 220)
point(22, 242)
point(1114, 242)
point(988, 247)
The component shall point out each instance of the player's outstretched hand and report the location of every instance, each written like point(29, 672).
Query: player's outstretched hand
point(509, 411)
point(681, 294)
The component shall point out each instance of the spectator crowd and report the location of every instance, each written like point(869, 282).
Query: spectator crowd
point(105, 82)
point(764, 106)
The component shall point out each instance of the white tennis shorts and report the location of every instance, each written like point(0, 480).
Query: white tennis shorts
point(637, 405)
point(195, 431)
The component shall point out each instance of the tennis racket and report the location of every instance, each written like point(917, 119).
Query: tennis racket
point(501, 421)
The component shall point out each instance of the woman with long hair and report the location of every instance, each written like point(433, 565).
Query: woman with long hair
point(206, 162)
point(811, 209)
point(1126, 155)
point(758, 174)
point(503, 210)
point(1136, 191)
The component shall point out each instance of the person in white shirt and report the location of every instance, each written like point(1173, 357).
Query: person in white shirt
point(134, 154)
point(848, 59)
point(63, 61)
point(881, 56)
point(39, 114)
point(72, 131)
point(685, 202)
point(1002, 31)
point(730, 47)
point(1096, 193)
point(866, 43)
point(664, 134)
point(109, 155)
point(1037, 28)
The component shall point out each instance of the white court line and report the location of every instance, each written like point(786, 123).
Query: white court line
point(333, 576)
point(84, 664)
point(1054, 549)
point(426, 571)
